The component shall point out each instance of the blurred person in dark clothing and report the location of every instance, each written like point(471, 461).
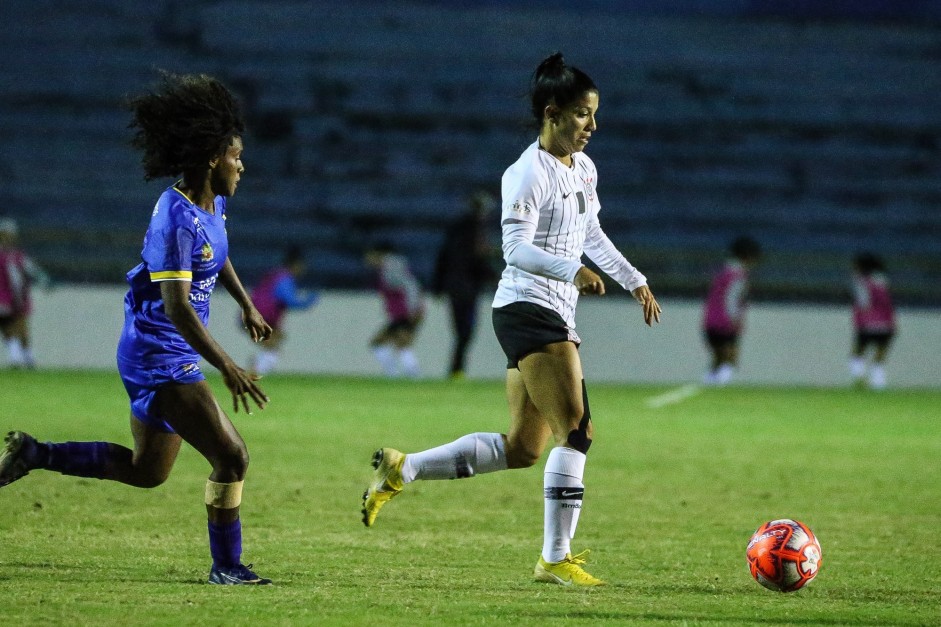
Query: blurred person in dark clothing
point(462, 270)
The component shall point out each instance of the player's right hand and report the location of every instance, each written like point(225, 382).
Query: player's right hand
point(588, 282)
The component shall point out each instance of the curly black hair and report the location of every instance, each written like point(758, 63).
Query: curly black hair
point(184, 123)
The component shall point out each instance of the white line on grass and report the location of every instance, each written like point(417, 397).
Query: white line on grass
point(672, 397)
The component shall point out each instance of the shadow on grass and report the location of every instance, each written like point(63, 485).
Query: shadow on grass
point(72, 573)
point(680, 617)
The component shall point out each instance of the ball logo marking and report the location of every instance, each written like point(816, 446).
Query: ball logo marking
point(783, 555)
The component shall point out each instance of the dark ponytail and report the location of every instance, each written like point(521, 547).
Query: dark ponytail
point(557, 83)
point(867, 263)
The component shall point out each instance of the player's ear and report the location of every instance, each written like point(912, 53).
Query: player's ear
point(551, 113)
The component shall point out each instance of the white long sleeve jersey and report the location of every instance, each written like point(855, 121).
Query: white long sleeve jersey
point(549, 218)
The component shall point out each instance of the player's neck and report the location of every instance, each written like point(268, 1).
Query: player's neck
point(565, 158)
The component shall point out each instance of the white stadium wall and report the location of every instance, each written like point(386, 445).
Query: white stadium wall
point(78, 327)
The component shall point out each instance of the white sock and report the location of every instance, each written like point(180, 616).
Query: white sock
point(858, 367)
point(724, 373)
point(408, 362)
point(385, 355)
point(470, 455)
point(15, 351)
point(563, 492)
point(265, 361)
point(877, 379)
point(28, 360)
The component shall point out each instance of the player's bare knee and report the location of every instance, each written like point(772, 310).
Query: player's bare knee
point(231, 465)
point(151, 477)
point(521, 457)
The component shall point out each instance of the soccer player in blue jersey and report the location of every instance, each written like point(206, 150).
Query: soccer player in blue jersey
point(190, 127)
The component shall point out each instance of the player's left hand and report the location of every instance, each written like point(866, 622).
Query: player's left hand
point(645, 297)
point(243, 387)
point(257, 328)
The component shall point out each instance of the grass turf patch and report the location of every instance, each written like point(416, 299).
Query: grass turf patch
point(672, 496)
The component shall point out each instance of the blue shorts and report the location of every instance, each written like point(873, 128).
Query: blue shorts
point(142, 384)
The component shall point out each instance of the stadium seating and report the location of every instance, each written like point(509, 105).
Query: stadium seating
point(374, 120)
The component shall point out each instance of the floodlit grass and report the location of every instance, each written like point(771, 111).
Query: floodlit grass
point(672, 496)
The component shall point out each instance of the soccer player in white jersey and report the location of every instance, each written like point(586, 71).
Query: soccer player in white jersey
point(549, 218)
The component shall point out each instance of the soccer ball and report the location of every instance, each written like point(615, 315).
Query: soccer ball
point(783, 555)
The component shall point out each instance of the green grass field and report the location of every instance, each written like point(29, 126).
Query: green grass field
point(672, 496)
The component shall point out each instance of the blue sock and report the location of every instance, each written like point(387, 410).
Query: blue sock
point(79, 459)
point(225, 543)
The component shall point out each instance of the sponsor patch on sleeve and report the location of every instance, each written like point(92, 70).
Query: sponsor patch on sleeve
point(522, 208)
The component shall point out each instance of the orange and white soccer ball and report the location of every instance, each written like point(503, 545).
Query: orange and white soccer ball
point(783, 555)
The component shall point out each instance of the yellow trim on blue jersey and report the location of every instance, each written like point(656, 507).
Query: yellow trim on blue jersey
point(172, 275)
point(190, 200)
point(177, 190)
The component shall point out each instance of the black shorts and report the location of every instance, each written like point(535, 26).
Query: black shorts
point(8, 319)
point(881, 339)
point(718, 340)
point(402, 324)
point(523, 328)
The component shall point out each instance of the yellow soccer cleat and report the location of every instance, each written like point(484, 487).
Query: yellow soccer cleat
point(387, 482)
point(568, 572)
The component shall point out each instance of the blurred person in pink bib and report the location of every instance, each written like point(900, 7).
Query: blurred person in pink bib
point(873, 320)
point(724, 310)
point(274, 296)
point(18, 273)
point(404, 303)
